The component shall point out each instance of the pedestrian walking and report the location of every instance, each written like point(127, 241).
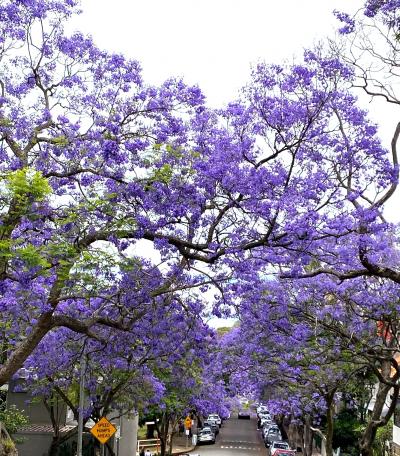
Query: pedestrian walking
point(141, 452)
point(147, 453)
point(181, 428)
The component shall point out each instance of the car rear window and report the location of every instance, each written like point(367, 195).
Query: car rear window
point(282, 446)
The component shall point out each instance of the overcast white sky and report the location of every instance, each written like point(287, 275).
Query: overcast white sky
point(209, 42)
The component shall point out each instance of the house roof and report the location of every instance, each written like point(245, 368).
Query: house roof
point(43, 429)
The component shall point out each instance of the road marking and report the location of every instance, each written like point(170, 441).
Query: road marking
point(251, 442)
point(231, 447)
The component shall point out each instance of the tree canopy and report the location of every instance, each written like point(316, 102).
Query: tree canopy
point(270, 208)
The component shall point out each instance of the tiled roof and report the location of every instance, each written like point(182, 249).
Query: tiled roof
point(43, 428)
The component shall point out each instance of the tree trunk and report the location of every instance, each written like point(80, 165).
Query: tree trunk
point(329, 423)
point(308, 437)
point(162, 431)
point(375, 421)
point(24, 348)
point(59, 440)
point(163, 446)
point(5, 439)
point(173, 426)
point(55, 443)
point(170, 442)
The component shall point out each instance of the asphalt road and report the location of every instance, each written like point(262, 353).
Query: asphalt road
point(236, 438)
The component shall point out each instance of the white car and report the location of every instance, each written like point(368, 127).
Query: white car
point(215, 417)
point(266, 427)
point(262, 409)
point(265, 420)
point(206, 436)
point(278, 446)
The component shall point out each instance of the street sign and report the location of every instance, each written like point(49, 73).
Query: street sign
point(188, 422)
point(103, 430)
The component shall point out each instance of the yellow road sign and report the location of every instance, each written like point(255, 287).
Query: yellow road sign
point(188, 422)
point(103, 430)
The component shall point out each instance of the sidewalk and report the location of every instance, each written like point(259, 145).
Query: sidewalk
point(180, 445)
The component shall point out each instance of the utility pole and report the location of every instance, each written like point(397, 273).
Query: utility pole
point(81, 403)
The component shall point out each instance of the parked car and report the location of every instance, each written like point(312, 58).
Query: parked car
point(211, 424)
point(244, 414)
point(273, 435)
point(267, 426)
point(278, 445)
point(273, 428)
point(265, 421)
point(215, 417)
point(206, 436)
point(262, 409)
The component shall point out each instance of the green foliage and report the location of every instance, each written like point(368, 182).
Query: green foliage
point(383, 435)
point(32, 257)
point(5, 245)
point(246, 405)
point(61, 141)
point(162, 174)
point(12, 418)
point(26, 184)
point(5, 122)
point(347, 431)
point(223, 330)
point(8, 445)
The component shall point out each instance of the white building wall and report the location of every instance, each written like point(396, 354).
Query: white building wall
point(396, 435)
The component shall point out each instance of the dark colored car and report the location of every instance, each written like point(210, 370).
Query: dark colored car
point(213, 425)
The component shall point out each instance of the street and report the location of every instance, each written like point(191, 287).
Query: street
point(236, 437)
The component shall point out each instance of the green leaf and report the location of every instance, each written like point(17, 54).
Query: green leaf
point(27, 183)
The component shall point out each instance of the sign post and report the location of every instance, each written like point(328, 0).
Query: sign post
point(103, 430)
point(81, 403)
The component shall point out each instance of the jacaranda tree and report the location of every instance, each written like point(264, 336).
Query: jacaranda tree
point(290, 179)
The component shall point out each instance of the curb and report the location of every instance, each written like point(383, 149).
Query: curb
point(177, 453)
point(188, 450)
